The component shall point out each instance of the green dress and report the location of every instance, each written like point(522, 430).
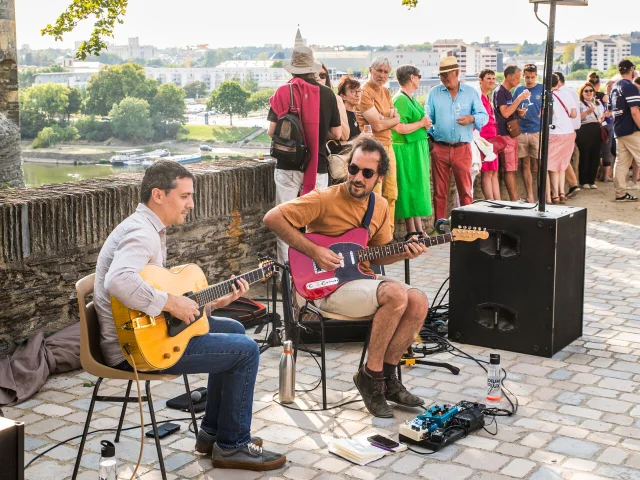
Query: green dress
point(412, 162)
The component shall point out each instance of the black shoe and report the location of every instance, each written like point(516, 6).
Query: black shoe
point(205, 441)
point(398, 393)
point(627, 198)
point(573, 191)
point(247, 457)
point(372, 392)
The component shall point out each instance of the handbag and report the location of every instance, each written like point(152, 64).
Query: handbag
point(338, 163)
point(513, 127)
point(499, 144)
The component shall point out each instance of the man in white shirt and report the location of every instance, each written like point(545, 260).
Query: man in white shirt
point(570, 175)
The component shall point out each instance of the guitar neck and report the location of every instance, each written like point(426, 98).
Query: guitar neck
point(209, 294)
point(390, 249)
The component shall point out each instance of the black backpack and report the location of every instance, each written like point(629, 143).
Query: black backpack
point(287, 144)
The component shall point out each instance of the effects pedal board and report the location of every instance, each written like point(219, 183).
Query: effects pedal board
point(442, 425)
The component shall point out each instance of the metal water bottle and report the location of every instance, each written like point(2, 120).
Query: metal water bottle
point(108, 461)
point(494, 381)
point(287, 391)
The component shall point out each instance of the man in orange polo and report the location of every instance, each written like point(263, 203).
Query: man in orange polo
point(377, 111)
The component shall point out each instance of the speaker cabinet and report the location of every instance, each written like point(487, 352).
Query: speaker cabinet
point(522, 289)
point(11, 449)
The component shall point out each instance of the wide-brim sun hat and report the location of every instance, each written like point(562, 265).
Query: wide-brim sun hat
point(302, 61)
point(448, 64)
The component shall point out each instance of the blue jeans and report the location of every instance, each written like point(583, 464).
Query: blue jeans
point(231, 359)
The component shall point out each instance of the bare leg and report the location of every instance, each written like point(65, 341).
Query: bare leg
point(607, 173)
point(393, 301)
point(554, 177)
point(527, 178)
point(495, 182)
point(417, 224)
point(408, 222)
point(561, 176)
point(510, 182)
point(548, 195)
point(487, 185)
point(570, 176)
point(410, 325)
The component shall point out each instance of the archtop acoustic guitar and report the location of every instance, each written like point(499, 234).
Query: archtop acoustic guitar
point(157, 343)
point(313, 283)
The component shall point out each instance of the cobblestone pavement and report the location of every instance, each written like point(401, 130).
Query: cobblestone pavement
point(579, 417)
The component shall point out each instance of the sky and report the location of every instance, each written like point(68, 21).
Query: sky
point(166, 23)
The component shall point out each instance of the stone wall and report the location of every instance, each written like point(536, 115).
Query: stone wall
point(51, 236)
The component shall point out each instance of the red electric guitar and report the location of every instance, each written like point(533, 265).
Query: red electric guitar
point(313, 283)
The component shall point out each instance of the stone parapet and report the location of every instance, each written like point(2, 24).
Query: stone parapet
point(51, 236)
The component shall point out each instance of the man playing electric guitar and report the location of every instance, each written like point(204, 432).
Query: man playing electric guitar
point(399, 310)
point(226, 353)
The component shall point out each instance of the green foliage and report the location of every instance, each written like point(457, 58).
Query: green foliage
point(112, 84)
point(260, 99)
point(130, 119)
point(530, 48)
point(50, 136)
point(106, 12)
point(50, 99)
point(26, 76)
point(93, 130)
point(155, 62)
point(578, 75)
point(569, 51)
point(231, 98)
point(578, 66)
point(74, 102)
point(31, 122)
point(250, 84)
point(418, 47)
point(168, 111)
point(613, 69)
point(277, 64)
point(215, 57)
point(206, 133)
point(196, 90)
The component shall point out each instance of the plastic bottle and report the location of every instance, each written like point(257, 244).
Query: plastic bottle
point(287, 390)
point(494, 381)
point(108, 461)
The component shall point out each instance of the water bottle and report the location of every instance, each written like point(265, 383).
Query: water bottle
point(287, 391)
point(494, 381)
point(107, 461)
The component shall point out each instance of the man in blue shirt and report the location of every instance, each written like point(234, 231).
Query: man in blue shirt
point(529, 138)
point(454, 109)
point(625, 104)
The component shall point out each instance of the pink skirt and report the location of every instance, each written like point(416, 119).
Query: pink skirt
point(560, 150)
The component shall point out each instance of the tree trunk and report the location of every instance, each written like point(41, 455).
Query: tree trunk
point(11, 173)
point(231, 119)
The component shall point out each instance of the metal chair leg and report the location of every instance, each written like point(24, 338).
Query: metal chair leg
point(400, 371)
point(86, 429)
point(365, 346)
point(193, 413)
point(323, 373)
point(152, 414)
point(124, 410)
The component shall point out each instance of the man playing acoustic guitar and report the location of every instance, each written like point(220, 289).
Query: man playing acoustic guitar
point(226, 353)
point(399, 310)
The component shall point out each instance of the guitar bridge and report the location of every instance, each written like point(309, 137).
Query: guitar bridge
point(136, 323)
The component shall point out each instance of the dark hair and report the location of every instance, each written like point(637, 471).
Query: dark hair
point(485, 72)
point(581, 91)
point(531, 68)
point(163, 175)
point(625, 66)
point(637, 81)
point(510, 70)
point(404, 72)
point(560, 76)
point(593, 78)
point(347, 82)
point(328, 81)
point(555, 80)
point(368, 144)
point(305, 76)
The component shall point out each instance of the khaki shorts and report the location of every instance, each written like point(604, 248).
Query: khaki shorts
point(528, 145)
point(358, 298)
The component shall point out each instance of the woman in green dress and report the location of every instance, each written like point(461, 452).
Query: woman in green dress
point(411, 147)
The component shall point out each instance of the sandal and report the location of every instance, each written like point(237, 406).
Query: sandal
point(563, 198)
point(413, 234)
point(627, 198)
point(555, 200)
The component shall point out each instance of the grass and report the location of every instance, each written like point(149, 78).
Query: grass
point(208, 133)
point(264, 138)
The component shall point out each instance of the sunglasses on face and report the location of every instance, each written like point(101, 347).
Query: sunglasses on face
point(587, 91)
point(322, 76)
point(417, 75)
point(367, 173)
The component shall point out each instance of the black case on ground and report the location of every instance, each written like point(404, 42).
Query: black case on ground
point(181, 402)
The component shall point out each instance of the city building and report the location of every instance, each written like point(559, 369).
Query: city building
point(76, 79)
point(471, 58)
point(600, 52)
point(261, 72)
point(131, 50)
point(427, 61)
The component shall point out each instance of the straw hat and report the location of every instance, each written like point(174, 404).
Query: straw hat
point(448, 64)
point(302, 61)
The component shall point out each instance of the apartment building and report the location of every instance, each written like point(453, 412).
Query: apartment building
point(600, 52)
point(471, 58)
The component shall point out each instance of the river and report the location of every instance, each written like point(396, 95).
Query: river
point(37, 174)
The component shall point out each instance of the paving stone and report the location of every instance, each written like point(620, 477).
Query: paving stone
point(299, 473)
point(613, 455)
point(609, 405)
point(332, 464)
point(536, 439)
point(518, 468)
point(513, 450)
point(570, 398)
point(580, 464)
point(481, 460)
point(51, 410)
point(438, 471)
point(573, 447)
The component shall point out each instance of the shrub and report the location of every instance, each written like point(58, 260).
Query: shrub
point(93, 130)
point(50, 136)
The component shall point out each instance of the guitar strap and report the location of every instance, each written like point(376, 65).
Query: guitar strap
point(366, 220)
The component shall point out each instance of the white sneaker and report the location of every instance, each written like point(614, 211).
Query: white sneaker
point(594, 186)
point(586, 186)
point(633, 186)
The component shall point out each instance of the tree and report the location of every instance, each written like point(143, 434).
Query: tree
point(49, 98)
point(578, 66)
point(168, 111)
point(260, 99)
point(230, 97)
point(277, 64)
point(155, 62)
point(26, 77)
point(569, 51)
point(130, 119)
point(196, 90)
point(111, 84)
point(74, 104)
point(250, 84)
point(11, 173)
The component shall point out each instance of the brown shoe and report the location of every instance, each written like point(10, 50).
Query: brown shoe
point(372, 392)
point(247, 457)
point(398, 393)
point(205, 441)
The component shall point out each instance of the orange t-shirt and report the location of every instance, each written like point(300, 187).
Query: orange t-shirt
point(334, 211)
point(380, 98)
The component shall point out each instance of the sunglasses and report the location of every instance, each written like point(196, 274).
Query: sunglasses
point(416, 75)
point(587, 91)
point(367, 173)
point(323, 76)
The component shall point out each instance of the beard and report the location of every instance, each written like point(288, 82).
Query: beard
point(361, 192)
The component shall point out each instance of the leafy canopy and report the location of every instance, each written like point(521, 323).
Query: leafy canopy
point(130, 119)
point(231, 98)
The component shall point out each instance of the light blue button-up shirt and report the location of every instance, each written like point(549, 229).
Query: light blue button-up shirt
point(444, 111)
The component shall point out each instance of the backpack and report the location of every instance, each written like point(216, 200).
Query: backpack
point(287, 143)
point(248, 312)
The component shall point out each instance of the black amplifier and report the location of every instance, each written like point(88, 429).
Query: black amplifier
point(11, 449)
